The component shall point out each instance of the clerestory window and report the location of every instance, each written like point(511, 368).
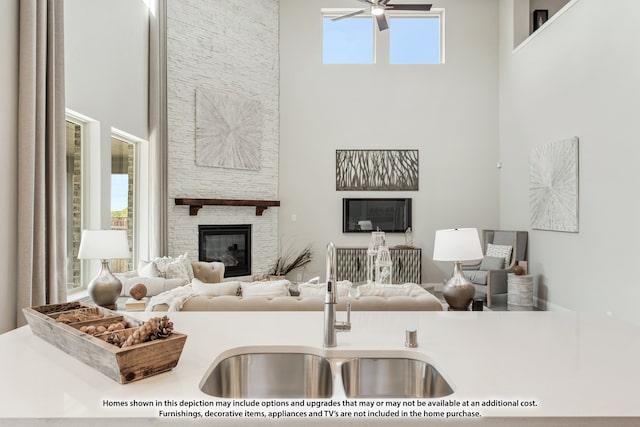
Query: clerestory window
point(412, 38)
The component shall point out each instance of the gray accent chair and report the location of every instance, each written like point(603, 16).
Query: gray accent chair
point(491, 282)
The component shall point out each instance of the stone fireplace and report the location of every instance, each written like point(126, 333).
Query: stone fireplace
point(229, 244)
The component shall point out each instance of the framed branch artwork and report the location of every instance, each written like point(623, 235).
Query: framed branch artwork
point(376, 170)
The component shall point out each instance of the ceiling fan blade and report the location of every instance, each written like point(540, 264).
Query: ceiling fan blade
point(348, 15)
point(423, 7)
point(384, 2)
point(414, 7)
point(382, 22)
point(367, 1)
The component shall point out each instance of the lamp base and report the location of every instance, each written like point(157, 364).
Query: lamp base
point(105, 288)
point(458, 291)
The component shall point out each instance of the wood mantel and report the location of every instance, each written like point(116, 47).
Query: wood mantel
point(196, 204)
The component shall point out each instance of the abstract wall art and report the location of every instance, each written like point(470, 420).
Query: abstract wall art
point(553, 186)
point(228, 130)
point(377, 170)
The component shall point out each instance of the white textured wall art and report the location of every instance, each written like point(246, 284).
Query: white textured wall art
point(228, 130)
point(553, 186)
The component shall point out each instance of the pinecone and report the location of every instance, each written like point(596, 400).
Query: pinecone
point(115, 339)
point(165, 328)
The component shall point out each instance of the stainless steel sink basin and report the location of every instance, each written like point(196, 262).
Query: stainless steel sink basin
point(270, 375)
point(296, 373)
point(370, 377)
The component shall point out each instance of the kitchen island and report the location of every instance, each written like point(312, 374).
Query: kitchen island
point(502, 366)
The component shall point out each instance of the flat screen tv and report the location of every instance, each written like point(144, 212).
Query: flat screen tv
point(367, 215)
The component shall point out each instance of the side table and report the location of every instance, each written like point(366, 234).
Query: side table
point(520, 292)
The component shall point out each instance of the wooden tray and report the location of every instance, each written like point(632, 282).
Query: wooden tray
point(123, 365)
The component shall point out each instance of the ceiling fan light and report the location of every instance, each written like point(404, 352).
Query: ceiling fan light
point(377, 10)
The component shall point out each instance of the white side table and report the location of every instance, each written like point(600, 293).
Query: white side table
point(520, 292)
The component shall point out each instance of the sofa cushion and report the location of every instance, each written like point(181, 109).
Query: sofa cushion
point(276, 288)
point(215, 289)
point(208, 272)
point(320, 289)
point(423, 302)
point(478, 277)
point(374, 290)
point(491, 263)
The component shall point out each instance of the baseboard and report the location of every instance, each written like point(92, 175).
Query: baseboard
point(548, 306)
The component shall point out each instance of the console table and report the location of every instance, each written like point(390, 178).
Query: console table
point(352, 264)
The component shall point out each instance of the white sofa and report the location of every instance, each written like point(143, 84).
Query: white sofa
point(417, 300)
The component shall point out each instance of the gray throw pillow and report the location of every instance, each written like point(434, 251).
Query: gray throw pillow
point(491, 263)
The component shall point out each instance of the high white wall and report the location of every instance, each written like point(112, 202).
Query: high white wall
point(227, 47)
point(8, 160)
point(578, 77)
point(448, 112)
point(106, 66)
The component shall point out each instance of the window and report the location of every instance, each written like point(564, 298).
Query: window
point(414, 40)
point(347, 41)
point(74, 139)
point(122, 195)
point(88, 188)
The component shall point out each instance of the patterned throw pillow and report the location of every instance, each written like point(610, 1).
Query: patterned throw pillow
point(500, 251)
point(173, 268)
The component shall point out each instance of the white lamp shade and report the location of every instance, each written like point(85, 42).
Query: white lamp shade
point(457, 244)
point(103, 244)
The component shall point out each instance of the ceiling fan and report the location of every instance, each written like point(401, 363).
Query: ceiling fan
point(378, 7)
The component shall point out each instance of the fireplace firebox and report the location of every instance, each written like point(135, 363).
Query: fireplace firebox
point(229, 244)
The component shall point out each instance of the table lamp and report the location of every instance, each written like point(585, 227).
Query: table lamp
point(457, 245)
point(104, 245)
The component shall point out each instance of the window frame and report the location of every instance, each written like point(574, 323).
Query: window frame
point(140, 187)
point(381, 39)
point(90, 132)
point(434, 13)
point(335, 12)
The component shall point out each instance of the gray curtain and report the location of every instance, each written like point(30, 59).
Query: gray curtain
point(41, 156)
point(158, 135)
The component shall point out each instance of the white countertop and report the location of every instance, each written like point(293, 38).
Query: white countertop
point(571, 364)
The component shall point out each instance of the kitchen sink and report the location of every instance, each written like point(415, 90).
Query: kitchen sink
point(303, 374)
point(270, 375)
point(372, 377)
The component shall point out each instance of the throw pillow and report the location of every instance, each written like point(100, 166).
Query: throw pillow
point(208, 272)
point(277, 288)
point(176, 270)
point(320, 289)
point(215, 289)
point(123, 277)
point(502, 251)
point(374, 290)
point(187, 264)
point(155, 285)
point(491, 263)
point(148, 269)
point(173, 268)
